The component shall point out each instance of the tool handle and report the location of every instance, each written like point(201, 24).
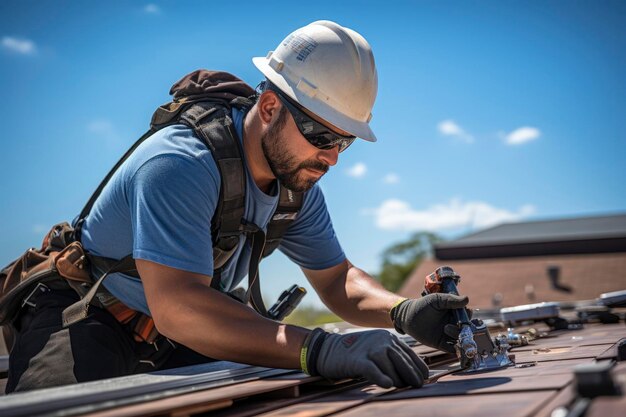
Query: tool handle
point(462, 317)
point(448, 286)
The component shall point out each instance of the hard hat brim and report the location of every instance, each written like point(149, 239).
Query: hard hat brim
point(357, 128)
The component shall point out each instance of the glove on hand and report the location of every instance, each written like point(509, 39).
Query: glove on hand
point(430, 319)
point(377, 355)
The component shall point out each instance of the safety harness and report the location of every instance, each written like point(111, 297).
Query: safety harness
point(203, 102)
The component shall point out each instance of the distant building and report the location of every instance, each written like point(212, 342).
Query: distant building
point(527, 262)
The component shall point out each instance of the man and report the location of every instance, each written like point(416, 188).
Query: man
point(320, 87)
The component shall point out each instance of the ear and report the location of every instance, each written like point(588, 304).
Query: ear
point(268, 106)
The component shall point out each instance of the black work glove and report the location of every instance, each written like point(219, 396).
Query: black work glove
point(376, 355)
point(430, 319)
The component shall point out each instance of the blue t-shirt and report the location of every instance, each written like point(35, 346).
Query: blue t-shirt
point(159, 205)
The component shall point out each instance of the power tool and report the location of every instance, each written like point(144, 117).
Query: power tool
point(287, 302)
point(476, 349)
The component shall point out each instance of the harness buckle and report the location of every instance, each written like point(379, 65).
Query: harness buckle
point(34, 294)
point(248, 227)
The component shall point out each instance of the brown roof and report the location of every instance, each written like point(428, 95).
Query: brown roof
point(587, 276)
point(542, 381)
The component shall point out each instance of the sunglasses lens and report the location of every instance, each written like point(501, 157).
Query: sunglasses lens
point(316, 133)
point(345, 143)
point(329, 141)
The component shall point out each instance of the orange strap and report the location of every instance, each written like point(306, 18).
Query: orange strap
point(144, 329)
point(121, 313)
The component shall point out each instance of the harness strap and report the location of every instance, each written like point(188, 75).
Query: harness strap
point(220, 137)
point(80, 309)
point(121, 312)
point(289, 204)
point(253, 294)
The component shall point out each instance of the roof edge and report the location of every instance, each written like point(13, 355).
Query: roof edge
point(567, 247)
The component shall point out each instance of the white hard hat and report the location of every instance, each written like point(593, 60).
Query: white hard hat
point(329, 70)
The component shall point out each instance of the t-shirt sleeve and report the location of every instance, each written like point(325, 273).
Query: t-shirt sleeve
point(172, 199)
point(311, 241)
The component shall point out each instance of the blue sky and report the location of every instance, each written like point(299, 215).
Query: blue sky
point(486, 111)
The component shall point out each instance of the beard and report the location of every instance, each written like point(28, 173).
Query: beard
point(285, 165)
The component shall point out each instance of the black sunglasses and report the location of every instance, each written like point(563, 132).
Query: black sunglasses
point(316, 133)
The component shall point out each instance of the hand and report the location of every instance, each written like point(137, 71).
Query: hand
point(430, 319)
point(376, 355)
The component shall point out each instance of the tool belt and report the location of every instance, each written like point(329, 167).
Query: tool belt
point(61, 262)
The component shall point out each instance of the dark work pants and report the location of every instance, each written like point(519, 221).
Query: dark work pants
point(45, 354)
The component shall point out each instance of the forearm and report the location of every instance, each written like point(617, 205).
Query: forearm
point(217, 326)
point(359, 299)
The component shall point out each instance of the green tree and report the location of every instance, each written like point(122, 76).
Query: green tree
point(400, 259)
point(309, 316)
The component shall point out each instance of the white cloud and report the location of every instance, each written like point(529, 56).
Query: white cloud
point(396, 214)
point(105, 130)
point(152, 9)
point(357, 171)
point(40, 229)
point(450, 128)
point(391, 178)
point(20, 46)
point(100, 127)
point(522, 135)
